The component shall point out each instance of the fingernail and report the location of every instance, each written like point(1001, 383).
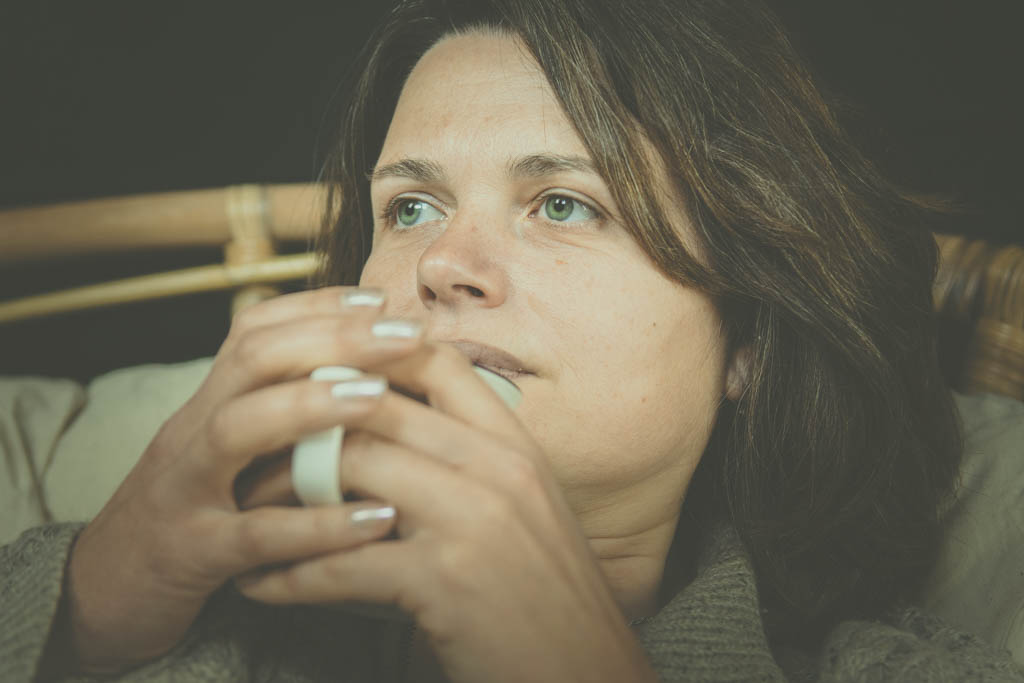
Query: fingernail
point(396, 329)
point(372, 516)
point(334, 373)
point(368, 386)
point(367, 297)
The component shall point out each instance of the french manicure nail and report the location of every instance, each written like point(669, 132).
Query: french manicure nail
point(363, 297)
point(334, 373)
point(368, 386)
point(371, 516)
point(396, 329)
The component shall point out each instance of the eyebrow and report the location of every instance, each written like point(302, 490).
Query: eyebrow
point(420, 170)
point(528, 166)
point(539, 165)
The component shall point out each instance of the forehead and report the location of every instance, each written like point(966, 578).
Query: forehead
point(479, 93)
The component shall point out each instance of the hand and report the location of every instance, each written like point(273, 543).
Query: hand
point(172, 533)
point(490, 560)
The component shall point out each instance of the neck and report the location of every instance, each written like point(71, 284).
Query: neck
point(634, 566)
point(631, 531)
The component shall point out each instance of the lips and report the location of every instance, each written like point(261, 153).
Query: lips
point(491, 358)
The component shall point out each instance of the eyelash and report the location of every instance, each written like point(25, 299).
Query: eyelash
point(387, 216)
point(598, 214)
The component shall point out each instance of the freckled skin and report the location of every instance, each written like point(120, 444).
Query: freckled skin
point(587, 328)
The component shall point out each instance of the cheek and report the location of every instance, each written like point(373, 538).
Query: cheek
point(640, 396)
point(607, 441)
point(394, 271)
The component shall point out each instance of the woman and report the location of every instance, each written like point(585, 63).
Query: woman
point(733, 440)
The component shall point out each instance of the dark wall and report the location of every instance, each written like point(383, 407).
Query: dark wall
point(112, 97)
point(119, 96)
point(933, 90)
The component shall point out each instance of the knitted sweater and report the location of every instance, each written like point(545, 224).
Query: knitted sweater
point(710, 631)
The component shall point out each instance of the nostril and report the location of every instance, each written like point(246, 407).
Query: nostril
point(469, 289)
point(427, 294)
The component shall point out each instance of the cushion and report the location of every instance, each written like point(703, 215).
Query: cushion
point(34, 411)
point(978, 582)
point(125, 409)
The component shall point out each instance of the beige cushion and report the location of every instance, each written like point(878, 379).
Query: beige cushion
point(126, 408)
point(34, 411)
point(978, 583)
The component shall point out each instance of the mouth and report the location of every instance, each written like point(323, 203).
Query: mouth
point(496, 360)
point(510, 375)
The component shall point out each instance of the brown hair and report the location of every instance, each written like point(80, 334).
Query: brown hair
point(834, 462)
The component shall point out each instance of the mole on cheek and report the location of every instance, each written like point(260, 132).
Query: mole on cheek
point(559, 262)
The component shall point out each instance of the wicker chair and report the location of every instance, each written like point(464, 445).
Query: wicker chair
point(248, 221)
point(979, 291)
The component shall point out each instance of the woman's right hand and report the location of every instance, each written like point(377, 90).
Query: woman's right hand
point(173, 533)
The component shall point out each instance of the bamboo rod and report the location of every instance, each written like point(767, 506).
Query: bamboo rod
point(174, 283)
point(149, 221)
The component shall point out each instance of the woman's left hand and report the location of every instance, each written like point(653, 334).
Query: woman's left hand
point(489, 560)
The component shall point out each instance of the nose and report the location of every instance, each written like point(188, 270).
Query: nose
point(461, 267)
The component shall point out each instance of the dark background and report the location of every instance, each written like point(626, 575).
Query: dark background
point(113, 97)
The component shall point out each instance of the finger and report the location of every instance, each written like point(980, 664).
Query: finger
point(503, 463)
point(395, 418)
point(274, 535)
point(266, 482)
point(329, 302)
point(476, 473)
point(423, 429)
point(267, 420)
point(266, 335)
point(314, 302)
point(445, 376)
point(374, 572)
point(292, 349)
point(397, 422)
point(428, 491)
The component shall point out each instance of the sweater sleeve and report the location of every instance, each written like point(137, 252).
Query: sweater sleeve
point(31, 585)
point(31, 581)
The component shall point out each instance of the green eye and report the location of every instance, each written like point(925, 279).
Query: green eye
point(565, 209)
point(410, 212)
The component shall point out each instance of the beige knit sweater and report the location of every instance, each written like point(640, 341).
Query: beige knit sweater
point(710, 631)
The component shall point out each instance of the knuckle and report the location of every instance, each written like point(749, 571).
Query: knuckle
point(343, 332)
point(254, 315)
point(249, 351)
point(453, 562)
point(251, 538)
point(291, 582)
point(220, 431)
point(522, 476)
point(355, 448)
point(325, 526)
point(336, 571)
point(302, 401)
point(244, 320)
point(491, 512)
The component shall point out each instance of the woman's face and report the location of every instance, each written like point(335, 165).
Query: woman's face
point(492, 227)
